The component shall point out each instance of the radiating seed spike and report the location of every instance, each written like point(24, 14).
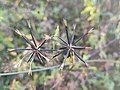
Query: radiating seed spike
point(63, 41)
point(83, 35)
point(66, 29)
point(39, 57)
point(59, 42)
point(33, 38)
point(24, 37)
point(31, 33)
point(43, 42)
point(67, 55)
point(44, 57)
point(30, 57)
point(62, 66)
point(80, 58)
point(18, 49)
point(78, 47)
point(47, 37)
point(48, 49)
point(57, 54)
point(88, 48)
point(29, 25)
point(18, 32)
point(86, 64)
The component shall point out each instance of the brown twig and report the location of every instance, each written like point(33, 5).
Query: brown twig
point(104, 46)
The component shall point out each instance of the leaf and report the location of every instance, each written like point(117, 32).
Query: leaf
point(56, 32)
point(86, 10)
point(55, 37)
point(89, 2)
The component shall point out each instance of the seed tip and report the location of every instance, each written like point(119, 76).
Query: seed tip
point(86, 64)
point(47, 37)
point(88, 48)
point(65, 22)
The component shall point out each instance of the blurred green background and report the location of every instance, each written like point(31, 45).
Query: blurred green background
point(46, 15)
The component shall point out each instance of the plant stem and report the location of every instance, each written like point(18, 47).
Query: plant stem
point(39, 69)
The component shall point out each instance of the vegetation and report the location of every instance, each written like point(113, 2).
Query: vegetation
point(39, 39)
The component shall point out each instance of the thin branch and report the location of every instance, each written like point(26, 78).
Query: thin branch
point(109, 61)
point(34, 70)
point(39, 69)
point(104, 46)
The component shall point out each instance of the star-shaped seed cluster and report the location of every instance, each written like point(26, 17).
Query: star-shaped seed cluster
point(36, 51)
point(70, 46)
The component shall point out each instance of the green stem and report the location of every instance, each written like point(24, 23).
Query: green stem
point(53, 67)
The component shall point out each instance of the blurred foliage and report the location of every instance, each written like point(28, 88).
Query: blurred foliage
point(92, 10)
point(46, 17)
